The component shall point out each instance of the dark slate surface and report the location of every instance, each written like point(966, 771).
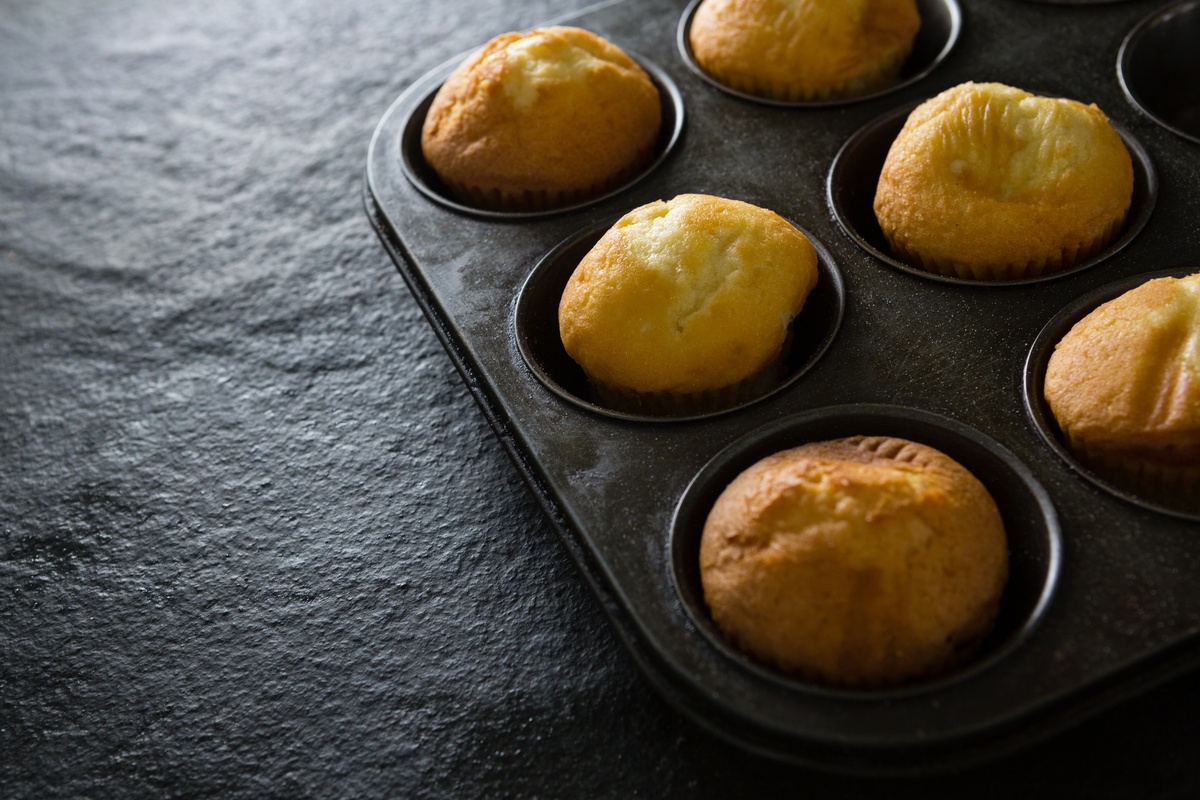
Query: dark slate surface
point(255, 537)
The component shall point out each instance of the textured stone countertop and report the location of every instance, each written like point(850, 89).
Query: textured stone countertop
point(256, 539)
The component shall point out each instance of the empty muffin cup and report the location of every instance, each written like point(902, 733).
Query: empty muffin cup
point(1159, 71)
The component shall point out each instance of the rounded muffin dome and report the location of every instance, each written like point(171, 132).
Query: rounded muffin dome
point(1123, 385)
point(688, 295)
point(990, 182)
point(859, 562)
point(804, 50)
point(539, 120)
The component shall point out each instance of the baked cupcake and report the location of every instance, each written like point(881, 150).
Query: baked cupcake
point(685, 306)
point(541, 120)
point(864, 562)
point(990, 182)
point(804, 50)
point(1124, 387)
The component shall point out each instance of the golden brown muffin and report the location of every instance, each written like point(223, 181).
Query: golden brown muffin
point(1124, 388)
point(681, 303)
point(804, 50)
point(990, 182)
point(858, 562)
point(541, 120)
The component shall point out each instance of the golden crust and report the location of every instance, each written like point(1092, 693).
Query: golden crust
point(987, 181)
point(804, 49)
point(683, 296)
point(866, 561)
point(545, 118)
point(1124, 383)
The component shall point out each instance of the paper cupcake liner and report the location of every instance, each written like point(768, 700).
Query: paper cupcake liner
point(1170, 484)
point(956, 657)
point(503, 199)
point(686, 404)
point(1065, 258)
point(879, 77)
point(492, 198)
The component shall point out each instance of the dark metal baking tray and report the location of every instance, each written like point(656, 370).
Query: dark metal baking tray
point(1105, 599)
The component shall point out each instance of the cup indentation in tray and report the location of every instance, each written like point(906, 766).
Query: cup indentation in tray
point(1159, 70)
point(427, 182)
point(1038, 409)
point(854, 176)
point(1030, 521)
point(538, 339)
point(941, 23)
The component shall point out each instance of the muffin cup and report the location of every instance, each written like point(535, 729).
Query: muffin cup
point(491, 202)
point(1157, 68)
point(539, 341)
point(1030, 522)
point(854, 177)
point(1161, 486)
point(941, 24)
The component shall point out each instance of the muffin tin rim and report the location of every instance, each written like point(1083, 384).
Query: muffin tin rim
point(684, 45)
point(700, 620)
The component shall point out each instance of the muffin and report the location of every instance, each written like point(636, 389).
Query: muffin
point(1124, 387)
point(863, 562)
point(989, 182)
point(685, 305)
point(541, 120)
point(804, 50)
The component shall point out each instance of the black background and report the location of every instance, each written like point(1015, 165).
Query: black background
point(255, 537)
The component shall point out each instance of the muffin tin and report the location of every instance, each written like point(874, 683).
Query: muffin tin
point(1104, 599)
